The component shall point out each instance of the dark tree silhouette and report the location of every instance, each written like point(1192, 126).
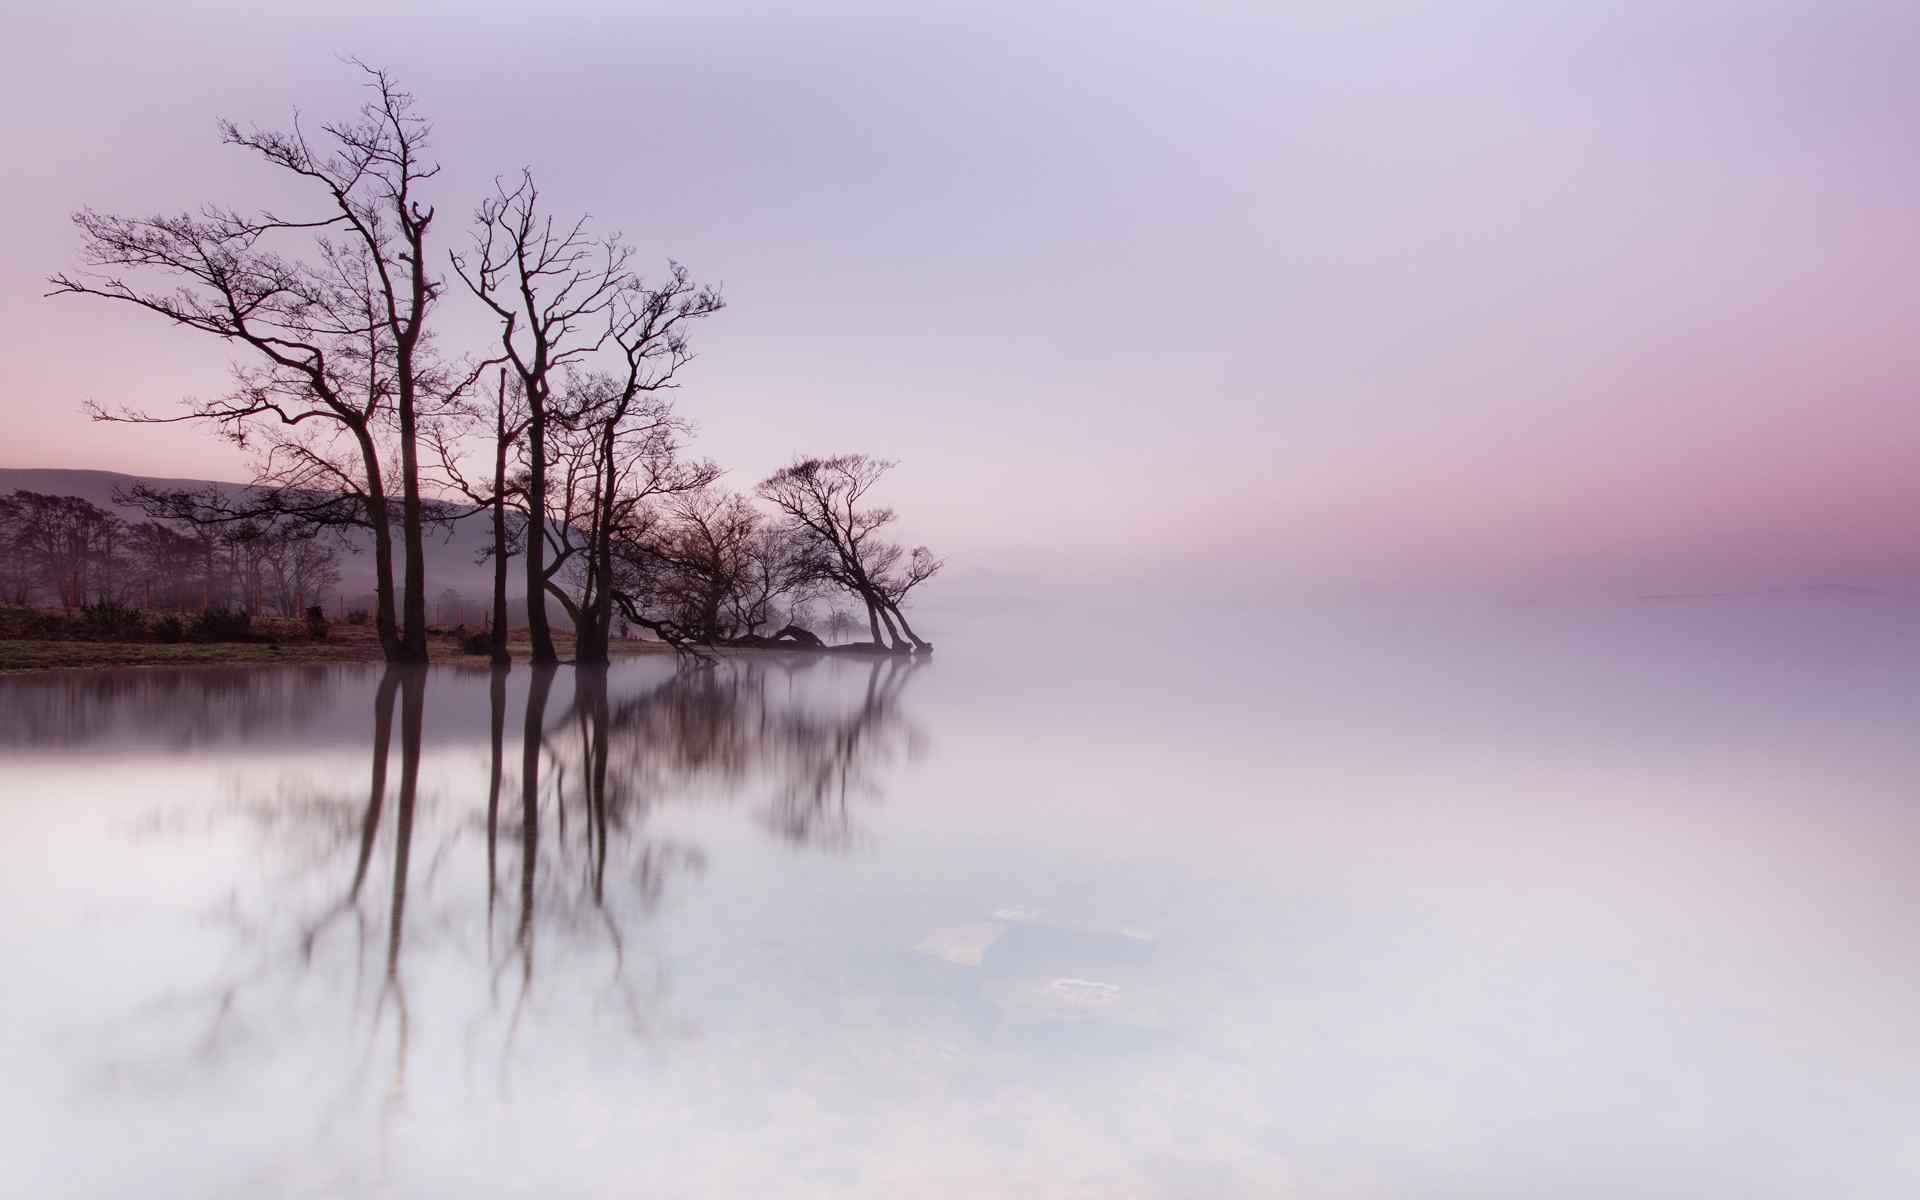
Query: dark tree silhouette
point(64, 545)
point(508, 421)
point(839, 623)
point(335, 324)
point(553, 290)
point(821, 498)
point(596, 448)
point(620, 459)
point(724, 572)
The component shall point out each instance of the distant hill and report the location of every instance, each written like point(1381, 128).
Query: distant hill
point(961, 593)
point(452, 559)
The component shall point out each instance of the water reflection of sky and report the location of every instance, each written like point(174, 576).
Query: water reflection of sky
point(1593, 910)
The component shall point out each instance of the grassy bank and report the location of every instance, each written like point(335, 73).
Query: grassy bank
point(48, 640)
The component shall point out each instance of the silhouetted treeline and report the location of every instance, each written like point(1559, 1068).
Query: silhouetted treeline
point(67, 552)
point(344, 391)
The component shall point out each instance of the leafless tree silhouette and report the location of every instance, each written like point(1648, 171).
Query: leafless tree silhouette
point(554, 291)
point(495, 496)
point(621, 458)
point(725, 570)
point(340, 367)
point(821, 498)
point(62, 545)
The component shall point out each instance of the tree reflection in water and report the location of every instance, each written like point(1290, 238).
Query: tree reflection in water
point(175, 709)
point(588, 872)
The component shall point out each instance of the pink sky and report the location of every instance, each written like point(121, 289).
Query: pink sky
point(1376, 292)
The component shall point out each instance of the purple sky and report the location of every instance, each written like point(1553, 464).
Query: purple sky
point(1349, 292)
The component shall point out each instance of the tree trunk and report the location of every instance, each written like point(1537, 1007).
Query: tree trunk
point(893, 635)
point(594, 623)
point(413, 636)
point(499, 633)
point(383, 621)
point(406, 345)
point(918, 644)
point(535, 552)
point(587, 650)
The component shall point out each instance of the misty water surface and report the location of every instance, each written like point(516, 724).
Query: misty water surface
point(1577, 904)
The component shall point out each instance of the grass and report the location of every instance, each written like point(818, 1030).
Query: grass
point(21, 651)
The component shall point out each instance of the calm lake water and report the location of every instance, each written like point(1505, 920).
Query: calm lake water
point(1581, 904)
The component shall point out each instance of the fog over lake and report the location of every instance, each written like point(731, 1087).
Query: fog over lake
point(1594, 901)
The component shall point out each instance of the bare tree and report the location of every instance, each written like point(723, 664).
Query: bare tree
point(779, 580)
point(727, 570)
point(339, 358)
point(155, 556)
point(302, 570)
point(63, 544)
point(821, 499)
point(553, 289)
point(16, 576)
point(839, 623)
point(620, 458)
point(598, 445)
point(703, 551)
point(509, 420)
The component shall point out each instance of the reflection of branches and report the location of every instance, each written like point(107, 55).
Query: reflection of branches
point(830, 760)
point(718, 726)
point(557, 772)
point(612, 755)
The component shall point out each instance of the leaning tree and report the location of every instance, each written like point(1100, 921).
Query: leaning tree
point(821, 499)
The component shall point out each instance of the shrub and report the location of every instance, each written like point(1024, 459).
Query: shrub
point(169, 630)
point(222, 625)
point(111, 622)
point(316, 623)
point(477, 643)
point(357, 616)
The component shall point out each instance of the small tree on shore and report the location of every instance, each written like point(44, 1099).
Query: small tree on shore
point(821, 499)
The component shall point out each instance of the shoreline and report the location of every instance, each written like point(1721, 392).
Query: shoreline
point(284, 641)
point(22, 656)
point(34, 656)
